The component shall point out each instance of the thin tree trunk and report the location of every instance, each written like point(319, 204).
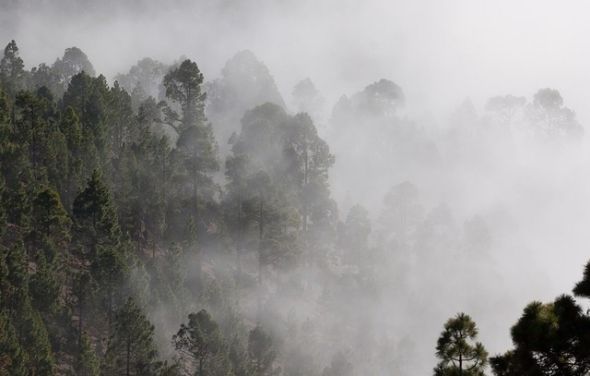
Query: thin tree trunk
point(260, 249)
point(239, 248)
point(80, 311)
point(128, 355)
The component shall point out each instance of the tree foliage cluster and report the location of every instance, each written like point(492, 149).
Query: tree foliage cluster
point(132, 243)
point(549, 339)
point(106, 195)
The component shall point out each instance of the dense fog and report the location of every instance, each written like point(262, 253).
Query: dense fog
point(451, 137)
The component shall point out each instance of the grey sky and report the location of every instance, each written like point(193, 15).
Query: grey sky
point(440, 52)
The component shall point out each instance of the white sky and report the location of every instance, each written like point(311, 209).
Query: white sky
point(440, 52)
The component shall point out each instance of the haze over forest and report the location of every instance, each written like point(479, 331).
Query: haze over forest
point(294, 188)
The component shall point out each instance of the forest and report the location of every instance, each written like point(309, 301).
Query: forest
point(166, 223)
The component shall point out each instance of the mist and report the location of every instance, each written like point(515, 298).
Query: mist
point(439, 53)
point(473, 204)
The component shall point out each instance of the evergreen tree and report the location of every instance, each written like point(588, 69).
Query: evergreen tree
point(12, 73)
point(583, 287)
point(457, 352)
point(73, 62)
point(89, 97)
point(86, 363)
point(122, 122)
point(45, 286)
point(3, 222)
point(28, 324)
point(131, 349)
point(83, 291)
point(549, 339)
point(109, 269)
point(35, 340)
point(45, 76)
point(308, 161)
point(144, 80)
point(261, 352)
point(198, 342)
point(70, 127)
point(238, 356)
point(12, 356)
point(50, 225)
point(196, 145)
point(95, 219)
point(183, 86)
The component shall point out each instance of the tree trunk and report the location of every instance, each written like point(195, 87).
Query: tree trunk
point(239, 246)
point(80, 311)
point(260, 249)
point(128, 355)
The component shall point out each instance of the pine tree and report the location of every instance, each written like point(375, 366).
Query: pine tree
point(35, 340)
point(70, 127)
point(27, 322)
point(109, 269)
point(12, 356)
point(89, 98)
point(95, 219)
point(45, 286)
point(308, 160)
point(83, 290)
point(457, 352)
point(50, 225)
point(196, 146)
point(131, 349)
point(122, 123)
point(261, 352)
point(12, 73)
point(183, 86)
point(583, 287)
point(86, 363)
point(198, 342)
point(549, 339)
point(3, 221)
point(74, 61)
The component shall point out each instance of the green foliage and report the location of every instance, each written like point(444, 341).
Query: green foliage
point(583, 287)
point(199, 343)
point(457, 351)
point(262, 353)
point(74, 61)
point(196, 149)
point(549, 339)
point(131, 349)
point(12, 73)
point(95, 219)
point(88, 97)
point(44, 286)
point(50, 224)
point(183, 86)
point(76, 243)
point(12, 356)
point(87, 363)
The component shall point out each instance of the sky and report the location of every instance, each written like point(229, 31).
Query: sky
point(439, 52)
